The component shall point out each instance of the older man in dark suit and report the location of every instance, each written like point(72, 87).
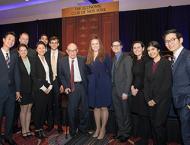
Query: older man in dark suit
point(9, 84)
point(73, 77)
point(121, 82)
point(181, 80)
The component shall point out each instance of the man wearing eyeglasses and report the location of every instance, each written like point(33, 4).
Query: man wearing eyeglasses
point(121, 84)
point(54, 110)
point(181, 80)
point(73, 76)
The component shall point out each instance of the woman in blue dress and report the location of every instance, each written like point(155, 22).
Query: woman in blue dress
point(99, 85)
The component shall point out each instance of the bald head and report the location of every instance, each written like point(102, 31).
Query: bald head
point(72, 50)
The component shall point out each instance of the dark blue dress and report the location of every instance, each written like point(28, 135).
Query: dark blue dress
point(99, 83)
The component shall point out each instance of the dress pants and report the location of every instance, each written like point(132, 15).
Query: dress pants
point(7, 107)
point(78, 98)
point(40, 103)
point(54, 106)
point(122, 113)
point(184, 114)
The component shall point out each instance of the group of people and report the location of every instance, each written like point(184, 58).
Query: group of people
point(142, 82)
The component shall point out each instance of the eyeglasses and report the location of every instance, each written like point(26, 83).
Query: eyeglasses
point(172, 40)
point(116, 45)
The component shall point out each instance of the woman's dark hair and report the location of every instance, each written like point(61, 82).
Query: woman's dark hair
point(142, 45)
point(39, 43)
point(178, 34)
point(22, 45)
point(154, 44)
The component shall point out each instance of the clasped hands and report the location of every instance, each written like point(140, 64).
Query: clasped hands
point(134, 91)
point(151, 103)
point(46, 90)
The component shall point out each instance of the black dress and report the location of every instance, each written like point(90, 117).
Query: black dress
point(26, 83)
point(139, 104)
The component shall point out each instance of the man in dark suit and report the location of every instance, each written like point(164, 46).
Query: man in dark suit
point(54, 107)
point(73, 78)
point(181, 80)
point(44, 38)
point(9, 84)
point(121, 82)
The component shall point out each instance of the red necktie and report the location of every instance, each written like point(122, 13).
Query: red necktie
point(72, 76)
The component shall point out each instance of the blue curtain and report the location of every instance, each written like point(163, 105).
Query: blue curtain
point(147, 25)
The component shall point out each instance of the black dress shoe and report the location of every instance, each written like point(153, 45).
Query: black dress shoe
point(43, 134)
point(38, 135)
point(1, 142)
point(59, 130)
point(123, 139)
point(10, 141)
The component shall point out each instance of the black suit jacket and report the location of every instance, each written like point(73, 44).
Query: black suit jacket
point(39, 75)
point(10, 78)
point(60, 57)
point(26, 79)
point(64, 72)
point(157, 86)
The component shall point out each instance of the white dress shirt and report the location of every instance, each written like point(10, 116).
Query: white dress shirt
point(77, 76)
point(177, 53)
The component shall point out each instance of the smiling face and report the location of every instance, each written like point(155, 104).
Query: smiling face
point(23, 51)
point(54, 44)
point(95, 45)
point(44, 39)
point(41, 50)
point(138, 49)
point(116, 47)
point(24, 39)
point(72, 50)
point(8, 41)
point(172, 42)
point(153, 52)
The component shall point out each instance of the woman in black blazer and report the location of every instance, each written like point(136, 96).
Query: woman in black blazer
point(42, 77)
point(25, 66)
point(157, 91)
point(139, 107)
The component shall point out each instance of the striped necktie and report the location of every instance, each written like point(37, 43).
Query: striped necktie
point(7, 59)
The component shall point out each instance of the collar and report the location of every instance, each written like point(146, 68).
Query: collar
point(177, 52)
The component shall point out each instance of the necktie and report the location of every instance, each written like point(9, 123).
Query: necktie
point(72, 76)
point(54, 66)
point(7, 59)
point(173, 61)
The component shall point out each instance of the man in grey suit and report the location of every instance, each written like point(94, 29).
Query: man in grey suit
point(9, 85)
point(121, 82)
point(181, 80)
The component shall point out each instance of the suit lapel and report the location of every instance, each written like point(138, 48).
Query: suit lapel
point(2, 58)
point(23, 66)
point(117, 62)
point(67, 65)
point(158, 69)
point(79, 66)
point(178, 60)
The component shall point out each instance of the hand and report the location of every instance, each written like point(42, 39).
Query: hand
point(48, 89)
point(151, 103)
point(18, 96)
point(124, 96)
point(67, 90)
point(134, 91)
point(188, 106)
point(61, 89)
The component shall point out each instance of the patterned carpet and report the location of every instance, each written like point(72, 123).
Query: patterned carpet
point(61, 139)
